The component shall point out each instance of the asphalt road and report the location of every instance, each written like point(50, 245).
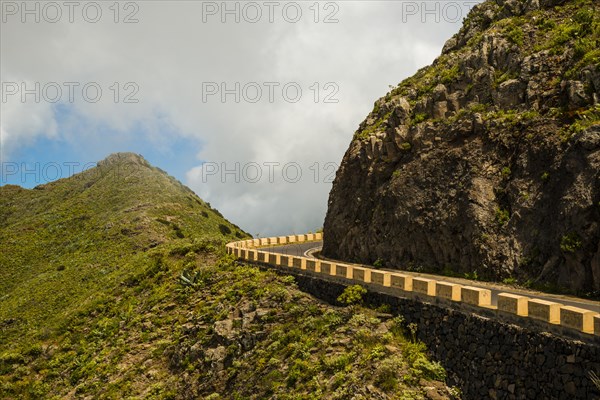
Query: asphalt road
point(296, 249)
point(304, 249)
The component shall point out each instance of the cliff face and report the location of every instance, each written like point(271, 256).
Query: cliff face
point(487, 161)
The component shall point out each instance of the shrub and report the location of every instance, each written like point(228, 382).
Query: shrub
point(570, 243)
point(585, 19)
point(418, 118)
point(338, 363)
point(378, 352)
point(386, 376)
point(509, 281)
point(428, 369)
point(502, 216)
point(515, 35)
point(352, 295)
point(224, 229)
point(449, 75)
point(406, 146)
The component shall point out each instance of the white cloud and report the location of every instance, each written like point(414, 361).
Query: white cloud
point(171, 52)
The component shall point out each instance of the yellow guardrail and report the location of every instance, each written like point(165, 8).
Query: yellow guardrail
point(553, 313)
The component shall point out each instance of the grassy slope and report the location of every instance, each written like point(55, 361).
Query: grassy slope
point(92, 305)
point(67, 240)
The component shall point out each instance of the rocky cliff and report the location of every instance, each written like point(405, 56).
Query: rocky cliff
point(487, 162)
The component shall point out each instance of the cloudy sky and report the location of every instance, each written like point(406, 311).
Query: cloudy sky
point(251, 104)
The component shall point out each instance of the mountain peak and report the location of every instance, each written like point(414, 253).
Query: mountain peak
point(124, 158)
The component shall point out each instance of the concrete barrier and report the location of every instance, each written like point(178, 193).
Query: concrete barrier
point(513, 304)
point(326, 268)
point(380, 278)
point(577, 318)
point(313, 265)
point(401, 281)
point(424, 286)
point(476, 296)
point(274, 258)
point(298, 262)
point(343, 270)
point(361, 274)
point(544, 310)
point(448, 291)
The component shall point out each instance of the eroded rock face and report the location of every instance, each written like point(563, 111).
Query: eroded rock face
point(486, 161)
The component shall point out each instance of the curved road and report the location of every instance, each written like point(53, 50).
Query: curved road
point(304, 249)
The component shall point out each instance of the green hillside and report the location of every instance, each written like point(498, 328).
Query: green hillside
point(64, 242)
point(115, 284)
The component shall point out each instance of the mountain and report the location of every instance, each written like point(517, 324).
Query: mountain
point(66, 239)
point(487, 162)
point(115, 284)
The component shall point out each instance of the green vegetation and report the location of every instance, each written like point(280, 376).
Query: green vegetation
point(509, 281)
point(503, 76)
point(418, 118)
point(585, 119)
point(578, 29)
point(444, 70)
point(449, 75)
point(352, 295)
point(66, 240)
point(472, 275)
point(120, 288)
point(514, 34)
point(502, 216)
point(375, 127)
point(570, 242)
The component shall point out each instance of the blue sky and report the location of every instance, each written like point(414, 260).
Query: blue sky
point(47, 158)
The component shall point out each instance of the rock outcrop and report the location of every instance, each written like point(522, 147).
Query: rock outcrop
point(487, 161)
